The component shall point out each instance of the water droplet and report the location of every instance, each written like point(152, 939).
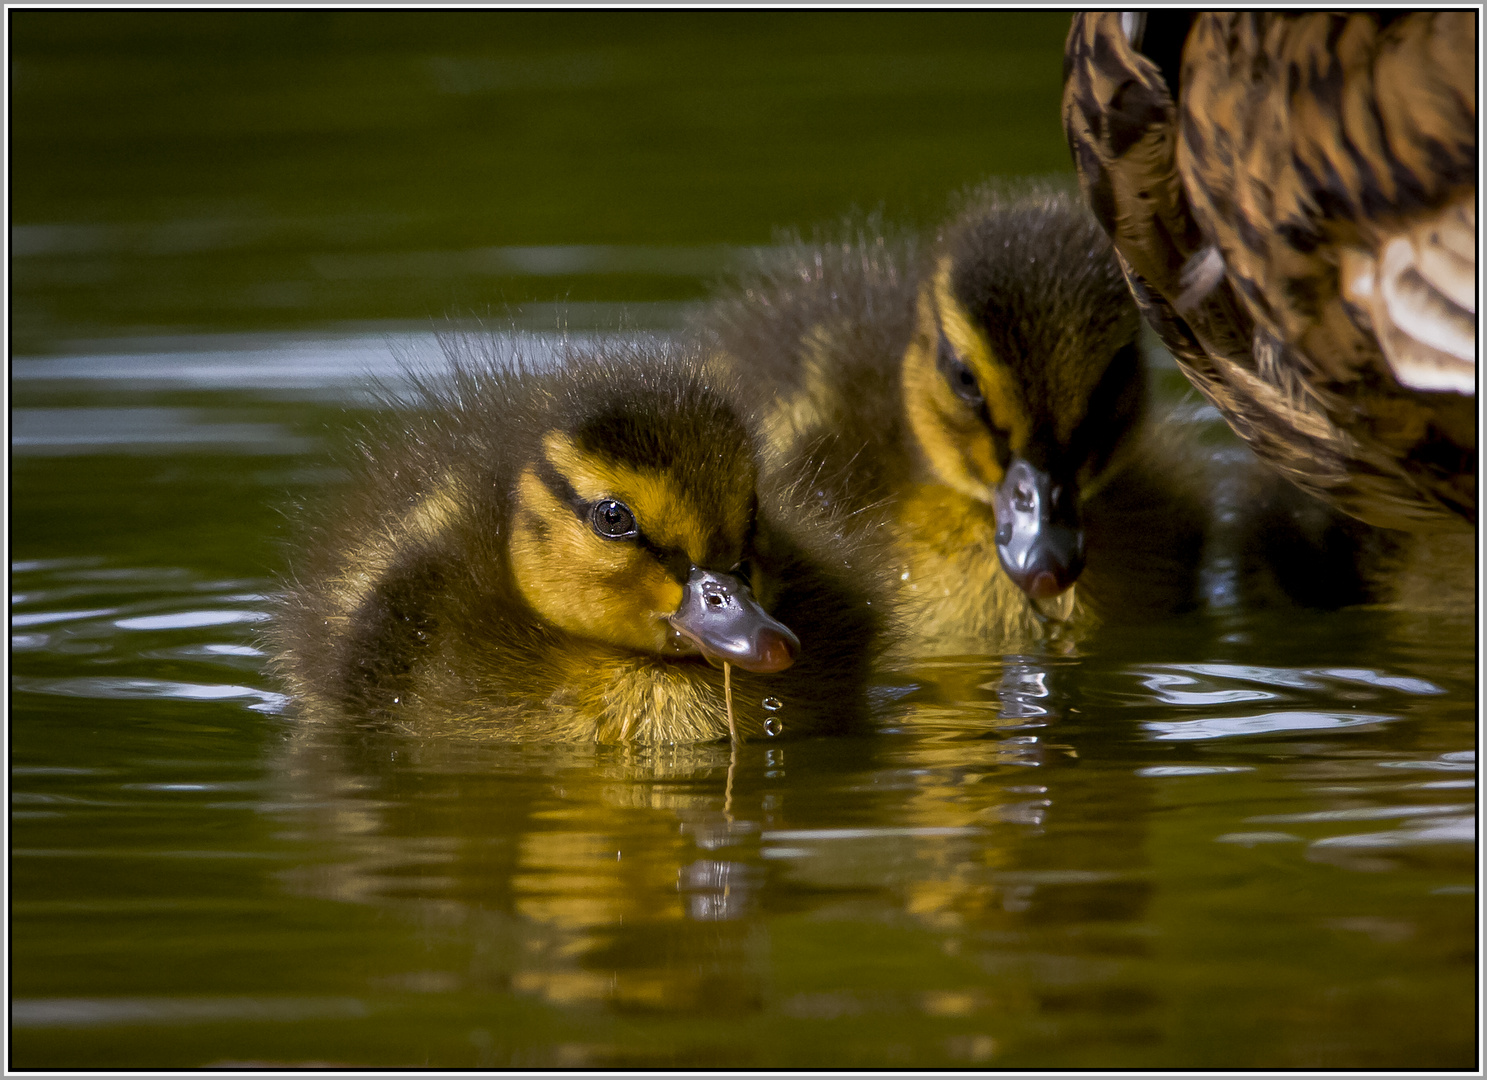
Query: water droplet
point(773, 725)
point(773, 704)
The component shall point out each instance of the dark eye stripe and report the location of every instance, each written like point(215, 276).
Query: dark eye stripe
point(677, 563)
point(950, 365)
point(559, 487)
point(957, 372)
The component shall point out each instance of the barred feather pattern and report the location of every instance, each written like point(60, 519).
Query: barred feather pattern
point(1299, 144)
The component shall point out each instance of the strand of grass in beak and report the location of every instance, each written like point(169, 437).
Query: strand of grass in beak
point(732, 740)
point(728, 700)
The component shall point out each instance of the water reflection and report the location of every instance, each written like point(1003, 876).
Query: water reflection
point(1199, 687)
point(606, 872)
point(1006, 694)
point(1221, 727)
point(719, 890)
point(1023, 690)
point(648, 879)
point(37, 431)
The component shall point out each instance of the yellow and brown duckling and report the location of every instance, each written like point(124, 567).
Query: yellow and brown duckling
point(574, 552)
point(1293, 196)
point(990, 393)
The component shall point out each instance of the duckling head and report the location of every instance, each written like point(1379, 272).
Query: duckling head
point(1023, 377)
point(634, 522)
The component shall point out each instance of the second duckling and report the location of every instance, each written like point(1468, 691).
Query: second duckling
point(574, 551)
point(991, 393)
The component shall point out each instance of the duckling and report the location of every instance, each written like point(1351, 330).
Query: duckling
point(990, 392)
point(1293, 197)
point(571, 552)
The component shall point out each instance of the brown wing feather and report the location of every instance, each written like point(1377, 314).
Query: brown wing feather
point(1301, 144)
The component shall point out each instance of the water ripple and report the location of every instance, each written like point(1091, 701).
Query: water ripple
point(183, 620)
point(1359, 813)
point(1220, 727)
point(122, 687)
point(1191, 770)
point(1403, 683)
point(866, 834)
point(1456, 761)
point(94, 1012)
point(1443, 830)
point(1212, 684)
point(41, 618)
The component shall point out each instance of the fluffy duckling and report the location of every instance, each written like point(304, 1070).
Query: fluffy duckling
point(1293, 196)
point(573, 551)
point(991, 394)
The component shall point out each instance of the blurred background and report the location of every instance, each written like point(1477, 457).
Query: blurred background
point(244, 170)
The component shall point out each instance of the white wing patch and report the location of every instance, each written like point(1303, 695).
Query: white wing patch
point(1420, 291)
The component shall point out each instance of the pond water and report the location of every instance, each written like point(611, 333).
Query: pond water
point(1245, 839)
point(1242, 839)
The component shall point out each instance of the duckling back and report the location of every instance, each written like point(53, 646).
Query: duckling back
point(546, 551)
point(815, 332)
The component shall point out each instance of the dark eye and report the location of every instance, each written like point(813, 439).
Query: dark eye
point(612, 520)
point(960, 377)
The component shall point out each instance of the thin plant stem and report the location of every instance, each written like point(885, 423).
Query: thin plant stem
point(728, 700)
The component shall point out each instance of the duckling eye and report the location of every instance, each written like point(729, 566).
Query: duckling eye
point(961, 378)
point(612, 520)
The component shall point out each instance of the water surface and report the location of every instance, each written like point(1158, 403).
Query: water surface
point(1242, 839)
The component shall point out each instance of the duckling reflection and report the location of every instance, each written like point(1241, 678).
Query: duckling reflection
point(990, 838)
point(574, 874)
point(992, 394)
point(573, 553)
point(608, 880)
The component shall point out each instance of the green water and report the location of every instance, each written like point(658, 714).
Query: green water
point(1245, 839)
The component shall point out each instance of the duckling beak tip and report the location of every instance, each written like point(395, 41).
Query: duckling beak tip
point(1043, 586)
point(720, 616)
point(772, 652)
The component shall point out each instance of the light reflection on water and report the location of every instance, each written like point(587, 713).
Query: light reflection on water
point(1027, 861)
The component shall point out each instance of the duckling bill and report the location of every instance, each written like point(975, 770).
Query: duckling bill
point(571, 553)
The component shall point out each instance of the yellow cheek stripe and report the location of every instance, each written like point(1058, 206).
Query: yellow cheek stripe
point(664, 510)
point(955, 442)
point(604, 590)
point(998, 385)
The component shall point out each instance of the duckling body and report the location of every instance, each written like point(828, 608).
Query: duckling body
point(571, 553)
point(1293, 198)
point(988, 391)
